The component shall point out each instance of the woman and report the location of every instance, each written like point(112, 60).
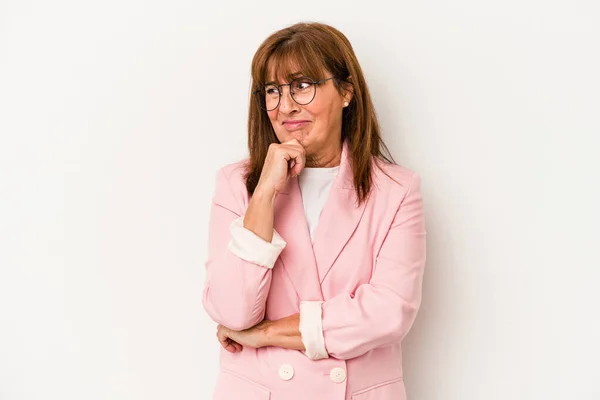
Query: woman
point(317, 241)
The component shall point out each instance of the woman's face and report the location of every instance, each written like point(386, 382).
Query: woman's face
point(317, 125)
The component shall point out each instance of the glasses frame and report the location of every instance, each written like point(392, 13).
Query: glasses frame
point(315, 83)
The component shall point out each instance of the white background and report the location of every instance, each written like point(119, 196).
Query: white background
point(115, 116)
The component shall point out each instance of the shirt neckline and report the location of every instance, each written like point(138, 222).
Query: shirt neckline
point(319, 172)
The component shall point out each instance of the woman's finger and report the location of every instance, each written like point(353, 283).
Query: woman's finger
point(229, 347)
point(238, 347)
point(297, 155)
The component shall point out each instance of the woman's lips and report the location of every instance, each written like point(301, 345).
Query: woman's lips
point(292, 125)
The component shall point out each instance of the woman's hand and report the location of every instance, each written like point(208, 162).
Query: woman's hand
point(283, 160)
point(234, 341)
point(226, 342)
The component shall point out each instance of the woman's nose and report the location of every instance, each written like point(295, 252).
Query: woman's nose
point(286, 103)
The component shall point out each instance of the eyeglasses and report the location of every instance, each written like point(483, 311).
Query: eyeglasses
point(302, 90)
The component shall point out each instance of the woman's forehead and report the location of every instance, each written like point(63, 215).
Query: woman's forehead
point(282, 71)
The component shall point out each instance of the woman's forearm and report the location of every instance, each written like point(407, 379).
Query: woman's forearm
point(285, 333)
point(259, 214)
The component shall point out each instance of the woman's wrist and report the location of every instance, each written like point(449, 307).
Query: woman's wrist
point(264, 194)
point(283, 333)
point(267, 334)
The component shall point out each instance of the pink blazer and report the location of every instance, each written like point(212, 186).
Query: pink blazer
point(366, 266)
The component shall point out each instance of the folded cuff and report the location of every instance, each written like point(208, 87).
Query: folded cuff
point(250, 247)
point(311, 330)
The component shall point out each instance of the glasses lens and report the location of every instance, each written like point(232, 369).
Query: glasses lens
point(303, 90)
point(271, 97)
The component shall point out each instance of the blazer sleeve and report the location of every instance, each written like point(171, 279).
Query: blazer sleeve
point(383, 310)
point(239, 263)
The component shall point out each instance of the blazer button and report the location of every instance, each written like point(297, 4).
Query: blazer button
point(286, 372)
point(338, 375)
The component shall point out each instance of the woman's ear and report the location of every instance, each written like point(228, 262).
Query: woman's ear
point(348, 91)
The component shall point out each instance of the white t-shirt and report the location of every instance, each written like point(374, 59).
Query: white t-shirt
point(315, 184)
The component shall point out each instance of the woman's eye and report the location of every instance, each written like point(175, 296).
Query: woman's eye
point(302, 85)
point(271, 91)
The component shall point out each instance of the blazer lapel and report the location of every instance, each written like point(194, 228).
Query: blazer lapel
point(297, 256)
point(339, 217)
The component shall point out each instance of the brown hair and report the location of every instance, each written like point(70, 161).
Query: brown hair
point(314, 48)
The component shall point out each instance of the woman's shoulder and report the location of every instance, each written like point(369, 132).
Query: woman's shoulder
point(230, 186)
point(395, 176)
point(234, 171)
point(232, 175)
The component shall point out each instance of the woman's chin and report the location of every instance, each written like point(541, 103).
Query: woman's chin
point(300, 136)
point(303, 137)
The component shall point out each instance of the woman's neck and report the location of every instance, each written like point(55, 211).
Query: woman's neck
point(326, 159)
